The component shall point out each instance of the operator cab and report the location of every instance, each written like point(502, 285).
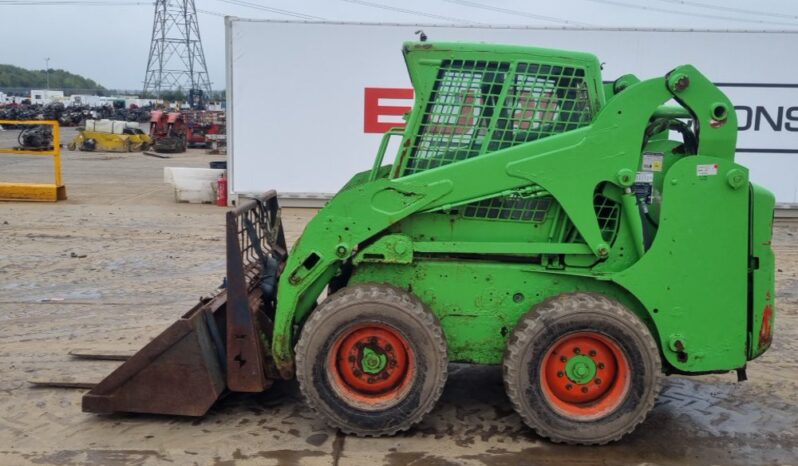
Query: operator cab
point(468, 106)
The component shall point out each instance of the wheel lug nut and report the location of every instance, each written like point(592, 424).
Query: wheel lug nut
point(357, 373)
point(584, 389)
point(384, 375)
point(371, 380)
point(598, 381)
point(564, 359)
point(592, 353)
point(577, 350)
point(393, 364)
point(352, 359)
point(388, 347)
point(560, 374)
point(601, 365)
point(569, 386)
point(373, 340)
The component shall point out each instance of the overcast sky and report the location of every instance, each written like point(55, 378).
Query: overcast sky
point(110, 43)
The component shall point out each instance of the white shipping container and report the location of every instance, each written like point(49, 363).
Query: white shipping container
point(304, 99)
point(42, 96)
point(139, 102)
point(83, 99)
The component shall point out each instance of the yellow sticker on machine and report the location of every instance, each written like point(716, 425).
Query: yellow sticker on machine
point(652, 161)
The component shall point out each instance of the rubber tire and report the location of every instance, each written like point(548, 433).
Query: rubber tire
point(573, 312)
point(372, 303)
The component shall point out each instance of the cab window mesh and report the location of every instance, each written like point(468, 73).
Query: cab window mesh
point(542, 101)
point(484, 106)
point(456, 120)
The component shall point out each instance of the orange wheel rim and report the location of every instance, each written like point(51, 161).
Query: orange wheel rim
point(585, 375)
point(371, 364)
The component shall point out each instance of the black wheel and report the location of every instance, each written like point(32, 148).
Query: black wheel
point(371, 359)
point(582, 369)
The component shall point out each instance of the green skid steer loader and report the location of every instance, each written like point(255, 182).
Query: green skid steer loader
point(590, 238)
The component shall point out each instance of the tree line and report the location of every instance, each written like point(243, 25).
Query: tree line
point(19, 81)
point(14, 77)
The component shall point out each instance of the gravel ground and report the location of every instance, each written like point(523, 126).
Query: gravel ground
point(120, 260)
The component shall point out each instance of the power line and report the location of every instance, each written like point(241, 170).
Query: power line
point(409, 12)
point(212, 13)
point(90, 3)
point(709, 6)
point(69, 3)
point(684, 13)
point(279, 11)
point(508, 11)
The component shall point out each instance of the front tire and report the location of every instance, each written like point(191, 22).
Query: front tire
point(371, 359)
point(582, 369)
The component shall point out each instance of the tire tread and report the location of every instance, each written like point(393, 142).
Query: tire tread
point(384, 294)
point(557, 306)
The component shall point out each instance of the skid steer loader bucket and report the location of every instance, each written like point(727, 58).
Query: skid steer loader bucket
point(219, 344)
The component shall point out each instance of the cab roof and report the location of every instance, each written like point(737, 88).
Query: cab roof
point(484, 50)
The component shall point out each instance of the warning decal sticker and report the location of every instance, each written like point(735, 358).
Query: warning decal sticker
point(707, 170)
point(652, 161)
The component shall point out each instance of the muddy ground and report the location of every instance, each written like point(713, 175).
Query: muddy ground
point(120, 260)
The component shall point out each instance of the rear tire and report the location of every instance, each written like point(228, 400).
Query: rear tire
point(582, 369)
point(371, 359)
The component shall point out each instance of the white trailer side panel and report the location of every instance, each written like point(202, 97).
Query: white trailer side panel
point(297, 92)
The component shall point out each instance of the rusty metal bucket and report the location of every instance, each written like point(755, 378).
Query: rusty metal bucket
point(218, 344)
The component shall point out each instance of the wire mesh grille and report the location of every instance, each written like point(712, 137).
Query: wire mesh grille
point(510, 208)
point(456, 120)
point(257, 228)
point(543, 100)
point(484, 106)
point(607, 214)
point(253, 234)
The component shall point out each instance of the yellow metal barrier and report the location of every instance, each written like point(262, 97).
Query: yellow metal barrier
point(36, 191)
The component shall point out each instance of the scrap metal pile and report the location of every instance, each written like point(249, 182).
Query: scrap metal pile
point(122, 129)
point(205, 128)
point(36, 138)
point(73, 115)
point(110, 136)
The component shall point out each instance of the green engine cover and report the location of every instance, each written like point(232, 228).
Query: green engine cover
point(762, 270)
